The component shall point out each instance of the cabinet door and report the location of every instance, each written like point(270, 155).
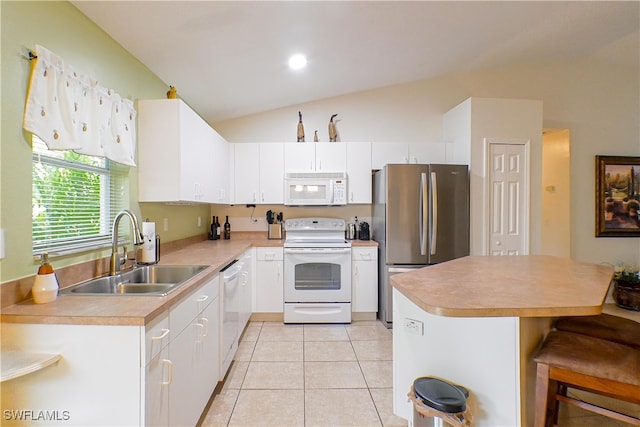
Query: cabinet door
point(427, 152)
point(272, 173)
point(158, 170)
point(247, 178)
point(331, 157)
point(359, 172)
point(207, 356)
point(299, 157)
point(196, 157)
point(364, 279)
point(157, 383)
point(184, 393)
point(383, 153)
point(269, 286)
point(220, 168)
point(269, 280)
point(245, 283)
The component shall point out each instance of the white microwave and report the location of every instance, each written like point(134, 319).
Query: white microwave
point(315, 188)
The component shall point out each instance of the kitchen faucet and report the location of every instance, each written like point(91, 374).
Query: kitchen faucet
point(138, 239)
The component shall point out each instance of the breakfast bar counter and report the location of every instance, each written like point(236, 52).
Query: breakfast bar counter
point(476, 320)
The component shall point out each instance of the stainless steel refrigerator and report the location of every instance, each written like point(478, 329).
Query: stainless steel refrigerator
point(420, 217)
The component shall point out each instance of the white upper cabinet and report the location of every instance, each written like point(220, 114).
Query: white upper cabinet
point(315, 157)
point(383, 153)
point(271, 173)
point(221, 170)
point(359, 172)
point(180, 157)
point(259, 173)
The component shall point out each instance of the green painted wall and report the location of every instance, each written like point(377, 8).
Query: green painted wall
point(63, 29)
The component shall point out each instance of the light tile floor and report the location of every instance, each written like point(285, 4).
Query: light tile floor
point(326, 375)
point(308, 375)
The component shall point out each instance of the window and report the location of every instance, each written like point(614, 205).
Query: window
point(74, 200)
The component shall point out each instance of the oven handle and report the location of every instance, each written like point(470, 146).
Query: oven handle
point(312, 251)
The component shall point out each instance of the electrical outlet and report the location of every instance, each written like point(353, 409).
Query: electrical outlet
point(413, 326)
point(165, 224)
point(199, 221)
point(2, 238)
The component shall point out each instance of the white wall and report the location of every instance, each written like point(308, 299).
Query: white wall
point(598, 102)
point(556, 193)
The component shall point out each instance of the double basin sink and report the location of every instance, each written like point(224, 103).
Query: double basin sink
point(158, 280)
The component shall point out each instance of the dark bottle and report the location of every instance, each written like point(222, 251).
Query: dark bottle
point(212, 232)
point(227, 229)
point(217, 229)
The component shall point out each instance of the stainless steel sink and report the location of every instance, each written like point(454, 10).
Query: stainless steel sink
point(158, 280)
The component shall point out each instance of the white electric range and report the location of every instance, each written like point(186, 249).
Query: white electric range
point(317, 271)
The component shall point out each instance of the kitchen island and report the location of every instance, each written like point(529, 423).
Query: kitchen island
point(476, 320)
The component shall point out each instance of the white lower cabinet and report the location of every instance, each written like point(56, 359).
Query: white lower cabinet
point(364, 279)
point(158, 371)
point(193, 353)
point(269, 283)
point(162, 373)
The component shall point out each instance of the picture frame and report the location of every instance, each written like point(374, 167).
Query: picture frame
point(617, 196)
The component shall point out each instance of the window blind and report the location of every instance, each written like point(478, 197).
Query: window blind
point(75, 199)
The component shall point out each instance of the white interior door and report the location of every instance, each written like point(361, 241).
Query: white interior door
point(508, 198)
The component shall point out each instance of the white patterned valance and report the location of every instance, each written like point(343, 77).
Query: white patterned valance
point(70, 111)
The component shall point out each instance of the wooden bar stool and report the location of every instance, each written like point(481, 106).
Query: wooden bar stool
point(603, 326)
point(583, 362)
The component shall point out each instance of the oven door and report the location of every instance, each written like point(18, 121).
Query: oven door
point(317, 274)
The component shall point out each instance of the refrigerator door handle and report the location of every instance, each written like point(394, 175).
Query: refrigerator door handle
point(424, 206)
point(433, 233)
point(403, 269)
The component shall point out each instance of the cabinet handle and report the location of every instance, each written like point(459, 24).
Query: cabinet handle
point(278, 271)
point(269, 256)
point(200, 327)
point(170, 365)
point(165, 332)
point(262, 194)
point(356, 273)
point(202, 298)
point(320, 162)
point(352, 196)
point(254, 196)
point(205, 324)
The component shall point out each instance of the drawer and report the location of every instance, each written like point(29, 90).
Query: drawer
point(364, 254)
point(185, 311)
point(269, 254)
point(157, 336)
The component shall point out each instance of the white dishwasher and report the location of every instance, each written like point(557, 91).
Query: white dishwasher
point(230, 313)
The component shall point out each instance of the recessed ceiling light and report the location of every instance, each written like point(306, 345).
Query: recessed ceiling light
point(297, 62)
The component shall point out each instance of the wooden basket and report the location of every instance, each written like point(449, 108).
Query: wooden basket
point(626, 295)
point(461, 419)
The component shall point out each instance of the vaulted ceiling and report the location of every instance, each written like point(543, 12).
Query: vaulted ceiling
point(229, 58)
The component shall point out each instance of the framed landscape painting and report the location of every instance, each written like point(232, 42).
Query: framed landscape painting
point(617, 196)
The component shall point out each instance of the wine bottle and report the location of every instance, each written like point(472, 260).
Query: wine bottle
point(212, 232)
point(217, 228)
point(227, 229)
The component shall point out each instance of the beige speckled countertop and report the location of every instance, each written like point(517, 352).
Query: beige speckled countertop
point(519, 286)
point(137, 309)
